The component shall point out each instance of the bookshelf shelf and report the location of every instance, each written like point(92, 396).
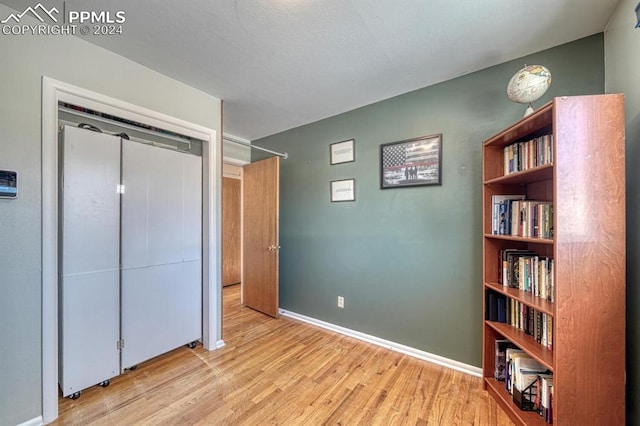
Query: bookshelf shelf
point(588, 252)
point(540, 120)
point(520, 239)
point(524, 342)
point(503, 398)
point(527, 298)
point(535, 174)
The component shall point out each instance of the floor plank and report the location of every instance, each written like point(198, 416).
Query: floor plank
point(284, 372)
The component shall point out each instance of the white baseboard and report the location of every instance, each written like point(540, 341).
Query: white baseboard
point(219, 344)
point(37, 421)
point(407, 350)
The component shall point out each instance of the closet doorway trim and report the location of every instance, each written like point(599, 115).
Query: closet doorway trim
point(53, 92)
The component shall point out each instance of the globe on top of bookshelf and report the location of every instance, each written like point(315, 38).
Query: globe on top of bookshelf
point(528, 85)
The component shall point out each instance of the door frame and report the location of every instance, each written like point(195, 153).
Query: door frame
point(239, 164)
point(54, 91)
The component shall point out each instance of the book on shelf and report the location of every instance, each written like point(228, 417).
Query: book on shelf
point(525, 371)
point(513, 366)
point(500, 209)
point(506, 265)
point(502, 309)
point(500, 363)
point(491, 313)
point(545, 384)
point(550, 283)
point(526, 155)
point(516, 216)
point(509, 353)
point(549, 416)
point(531, 219)
point(526, 271)
point(526, 391)
point(496, 307)
point(549, 334)
point(528, 381)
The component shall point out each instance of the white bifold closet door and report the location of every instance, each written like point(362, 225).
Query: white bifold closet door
point(89, 295)
point(161, 251)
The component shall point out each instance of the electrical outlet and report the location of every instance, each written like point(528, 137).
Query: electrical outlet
point(340, 302)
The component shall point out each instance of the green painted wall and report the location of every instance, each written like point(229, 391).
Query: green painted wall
point(407, 261)
point(622, 62)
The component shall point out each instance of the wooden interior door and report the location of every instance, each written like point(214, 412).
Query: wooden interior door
point(231, 238)
point(260, 239)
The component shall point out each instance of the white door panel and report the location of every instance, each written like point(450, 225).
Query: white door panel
point(130, 264)
point(192, 207)
point(152, 205)
point(89, 330)
point(89, 293)
point(161, 246)
point(160, 309)
point(91, 203)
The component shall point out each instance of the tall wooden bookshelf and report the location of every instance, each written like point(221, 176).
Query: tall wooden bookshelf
point(586, 184)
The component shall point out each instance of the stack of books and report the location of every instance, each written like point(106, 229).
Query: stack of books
point(501, 210)
point(527, 271)
point(531, 219)
point(514, 215)
point(536, 324)
point(522, 156)
point(545, 396)
point(529, 382)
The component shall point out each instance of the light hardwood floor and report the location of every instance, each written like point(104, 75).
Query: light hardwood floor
point(284, 372)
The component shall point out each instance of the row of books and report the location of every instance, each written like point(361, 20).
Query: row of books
point(529, 382)
point(544, 398)
point(525, 270)
point(506, 310)
point(522, 156)
point(514, 215)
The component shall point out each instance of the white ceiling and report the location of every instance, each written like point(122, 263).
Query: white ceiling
point(278, 64)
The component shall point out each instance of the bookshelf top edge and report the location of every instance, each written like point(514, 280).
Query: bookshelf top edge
point(539, 119)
